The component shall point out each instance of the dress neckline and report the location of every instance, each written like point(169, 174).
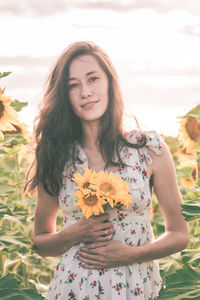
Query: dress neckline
point(84, 158)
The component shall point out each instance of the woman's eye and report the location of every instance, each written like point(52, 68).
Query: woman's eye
point(73, 85)
point(92, 79)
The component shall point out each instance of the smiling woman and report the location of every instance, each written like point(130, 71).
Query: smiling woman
point(112, 255)
point(88, 88)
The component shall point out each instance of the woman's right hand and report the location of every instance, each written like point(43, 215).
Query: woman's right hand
point(94, 229)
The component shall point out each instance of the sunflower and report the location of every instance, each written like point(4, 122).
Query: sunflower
point(8, 115)
point(88, 200)
point(84, 181)
point(20, 128)
point(112, 188)
point(189, 133)
point(89, 203)
point(188, 163)
point(95, 191)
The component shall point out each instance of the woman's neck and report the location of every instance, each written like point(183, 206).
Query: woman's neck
point(90, 135)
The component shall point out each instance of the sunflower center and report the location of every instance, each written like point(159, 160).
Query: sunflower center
point(194, 174)
point(107, 188)
point(91, 200)
point(1, 109)
point(86, 185)
point(192, 128)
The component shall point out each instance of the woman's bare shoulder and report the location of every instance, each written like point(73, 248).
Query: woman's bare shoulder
point(164, 161)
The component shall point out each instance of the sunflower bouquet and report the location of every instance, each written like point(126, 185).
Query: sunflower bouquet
point(95, 191)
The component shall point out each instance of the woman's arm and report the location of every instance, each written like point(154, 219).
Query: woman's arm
point(175, 238)
point(48, 242)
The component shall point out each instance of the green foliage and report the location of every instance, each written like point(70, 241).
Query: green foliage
point(12, 140)
point(183, 284)
point(23, 274)
point(10, 289)
point(191, 206)
point(17, 257)
point(4, 74)
point(17, 105)
point(180, 272)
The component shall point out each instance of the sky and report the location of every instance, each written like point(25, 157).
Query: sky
point(154, 45)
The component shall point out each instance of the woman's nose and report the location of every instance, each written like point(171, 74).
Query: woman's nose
point(86, 92)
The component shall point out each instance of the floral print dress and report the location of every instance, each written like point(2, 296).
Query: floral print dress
point(132, 225)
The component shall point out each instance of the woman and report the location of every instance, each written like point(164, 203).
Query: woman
point(113, 255)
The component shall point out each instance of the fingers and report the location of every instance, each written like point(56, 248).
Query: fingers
point(91, 248)
point(106, 232)
point(100, 218)
point(104, 235)
point(103, 238)
point(100, 236)
point(96, 228)
point(104, 226)
point(89, 259)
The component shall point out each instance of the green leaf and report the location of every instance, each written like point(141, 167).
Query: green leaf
point(10, 289)
point(184, 284)
point(20, 294)
point(12, 240)
point(12, 219)
point(173, 143)
point(4, 74)
point(185, 172)
point(192, 197)
point(190, 212)
point(9, 281)
point(4, 210)
point(11, 140)
point(21, 209)
point(6, 188)
point(14, 150)
point(18, 105)
point(2, 151)
point(4, 251)
point(191, 256)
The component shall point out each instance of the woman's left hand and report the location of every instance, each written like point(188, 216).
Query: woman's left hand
point(103, 255)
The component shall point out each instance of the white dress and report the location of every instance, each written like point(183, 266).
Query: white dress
point(132, 225)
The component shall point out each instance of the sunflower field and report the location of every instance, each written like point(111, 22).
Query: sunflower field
point(24, 275)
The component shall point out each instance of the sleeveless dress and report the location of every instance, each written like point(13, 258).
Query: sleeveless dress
point(132, 225)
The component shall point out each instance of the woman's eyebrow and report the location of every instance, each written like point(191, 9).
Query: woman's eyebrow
point(92, 72)
point(88, 74)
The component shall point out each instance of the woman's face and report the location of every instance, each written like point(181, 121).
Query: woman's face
point(88, 88)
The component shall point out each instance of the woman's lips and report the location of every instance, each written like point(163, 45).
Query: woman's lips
point(89, 105)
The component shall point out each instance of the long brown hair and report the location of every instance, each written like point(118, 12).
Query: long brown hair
point(57, 126)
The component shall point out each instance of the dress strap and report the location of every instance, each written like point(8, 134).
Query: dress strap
point(153, 143)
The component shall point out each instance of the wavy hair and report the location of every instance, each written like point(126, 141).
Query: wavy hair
point(57, 127)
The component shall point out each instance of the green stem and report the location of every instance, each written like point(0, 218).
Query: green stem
point(25, 275)
point(2, 263)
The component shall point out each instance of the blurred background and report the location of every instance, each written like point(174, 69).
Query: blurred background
point(154, 45)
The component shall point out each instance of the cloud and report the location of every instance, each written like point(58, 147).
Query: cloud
point(34, 8)
point(26, 61)
point(38, 8)
point(28, 75)
point(161, 6)
point(192, 30)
